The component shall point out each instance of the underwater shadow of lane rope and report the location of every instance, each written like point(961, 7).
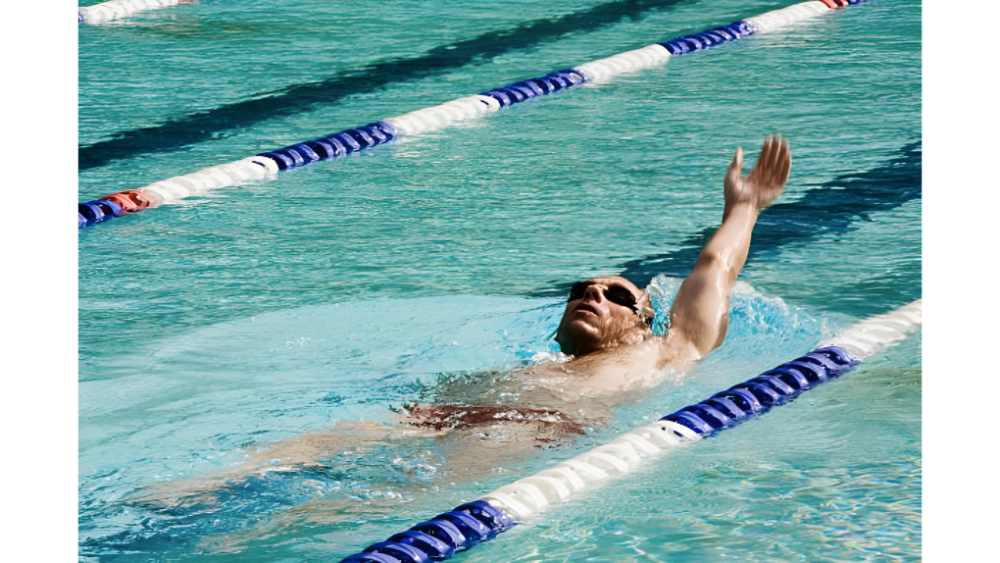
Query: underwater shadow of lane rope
point(833, 208)
point(183, 131)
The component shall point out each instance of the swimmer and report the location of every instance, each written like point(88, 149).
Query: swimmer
point(605, 329)
point(605, 334)
point(606, 325)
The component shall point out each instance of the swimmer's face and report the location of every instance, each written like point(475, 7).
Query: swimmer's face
point(600, 314)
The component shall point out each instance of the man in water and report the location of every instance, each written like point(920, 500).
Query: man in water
point(605, 332)
point(606, 323)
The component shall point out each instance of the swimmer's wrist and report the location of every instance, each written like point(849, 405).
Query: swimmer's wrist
point(741, 207)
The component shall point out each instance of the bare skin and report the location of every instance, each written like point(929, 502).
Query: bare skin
point(614, 354)
point(611, 345)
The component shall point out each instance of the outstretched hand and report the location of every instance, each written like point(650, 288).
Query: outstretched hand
point(765, 182)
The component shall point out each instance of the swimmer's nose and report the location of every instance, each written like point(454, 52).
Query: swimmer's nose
point(594, 292)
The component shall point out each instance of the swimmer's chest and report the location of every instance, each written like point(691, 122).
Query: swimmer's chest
point(601, 374)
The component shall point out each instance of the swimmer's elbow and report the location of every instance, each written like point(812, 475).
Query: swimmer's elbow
point(710, 260)
point(719, 264)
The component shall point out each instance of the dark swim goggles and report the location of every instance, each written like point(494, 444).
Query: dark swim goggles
point(614, 294)
point(618, 295)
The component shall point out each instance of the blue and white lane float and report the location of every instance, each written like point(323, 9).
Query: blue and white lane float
point(269, 163)
point(117, 9)
point(482, 519)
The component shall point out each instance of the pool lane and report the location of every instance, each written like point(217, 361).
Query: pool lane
point(178, 133)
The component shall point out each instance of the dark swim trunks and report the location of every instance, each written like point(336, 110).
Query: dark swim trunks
point(441, 417)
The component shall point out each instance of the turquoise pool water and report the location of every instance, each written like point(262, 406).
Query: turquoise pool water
point(333, 292)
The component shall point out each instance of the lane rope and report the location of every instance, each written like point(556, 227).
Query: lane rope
point(482, 519)
point(118, 9)
point(267, 164)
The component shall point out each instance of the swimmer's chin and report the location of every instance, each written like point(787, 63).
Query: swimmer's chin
point(583, 327)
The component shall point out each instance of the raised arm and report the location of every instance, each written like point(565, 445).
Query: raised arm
point(700, 313)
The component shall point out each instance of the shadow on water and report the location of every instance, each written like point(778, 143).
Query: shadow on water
point(832, 208)
point(197, 127)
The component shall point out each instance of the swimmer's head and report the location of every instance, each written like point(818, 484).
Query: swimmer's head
point(602, 313)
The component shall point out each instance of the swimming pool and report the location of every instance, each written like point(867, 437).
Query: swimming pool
point(221, 322)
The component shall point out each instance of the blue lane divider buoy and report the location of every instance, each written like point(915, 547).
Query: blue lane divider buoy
point(759, 394)
point(331, 146)
point(534, 87)
point(710, 38)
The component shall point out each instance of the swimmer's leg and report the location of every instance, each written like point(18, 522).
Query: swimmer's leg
point(294, 454)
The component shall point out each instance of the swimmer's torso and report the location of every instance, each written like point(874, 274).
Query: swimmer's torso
point(551, 399)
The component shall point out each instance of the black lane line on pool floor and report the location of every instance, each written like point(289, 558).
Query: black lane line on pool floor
point(834, 208)
point(188, 130)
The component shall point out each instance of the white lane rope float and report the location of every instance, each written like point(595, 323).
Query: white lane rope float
point(497, 511)
point(118, 9)
point(269, 163)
